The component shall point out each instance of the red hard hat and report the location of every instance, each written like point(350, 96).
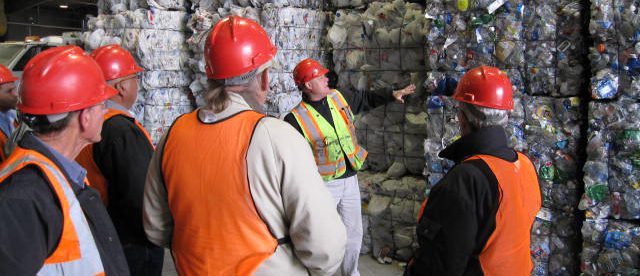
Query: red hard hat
point(115, 61)
point(485, 86)
point(236, 46)
point(6, 75)
point(307, 70)
point(60, 80)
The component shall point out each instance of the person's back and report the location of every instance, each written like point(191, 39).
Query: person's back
point(53, 223)
point(232, 191)
point(477, 219)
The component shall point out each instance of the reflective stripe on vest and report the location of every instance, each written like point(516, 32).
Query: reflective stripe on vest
point(217, 229)
point(507, 252)
point(331, 143)
point(86, 160)
point(76, 253)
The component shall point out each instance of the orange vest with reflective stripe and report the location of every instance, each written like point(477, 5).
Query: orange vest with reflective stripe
point(3, 141)
point(76, 253)
point(217, 229)
point(507, 251)
point(85, 159)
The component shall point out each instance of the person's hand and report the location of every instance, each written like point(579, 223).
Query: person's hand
point(399, 94)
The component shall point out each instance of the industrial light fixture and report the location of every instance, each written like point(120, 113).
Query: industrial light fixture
point(64, 6)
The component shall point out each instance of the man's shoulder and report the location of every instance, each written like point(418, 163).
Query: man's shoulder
point(276, 131)
point(24, 183)
point(468, 175)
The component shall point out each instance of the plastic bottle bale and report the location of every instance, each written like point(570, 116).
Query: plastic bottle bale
point(158, 19)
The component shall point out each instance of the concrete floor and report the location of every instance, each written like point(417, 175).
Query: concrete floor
point(368, 267)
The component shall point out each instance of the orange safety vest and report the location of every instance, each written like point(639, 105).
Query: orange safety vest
point(76, 253)
point(507, 251)
point(217, 229)
point(3, 141)
point(85, 159)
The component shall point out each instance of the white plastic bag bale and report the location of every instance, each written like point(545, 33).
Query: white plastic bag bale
point(95, 39)
point(204, 4)
point(130, 39)
point(138, 4)
point(168, 96)
point(157, 19)
point(162, 50)
point(198, 87)
point(158, 118)
point(161, 108)
point(137, 109)
point(202, 20)
point(163, 79)
point(168, 4)
point(280, 104)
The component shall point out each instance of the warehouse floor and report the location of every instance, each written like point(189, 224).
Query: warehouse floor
point(368, 267)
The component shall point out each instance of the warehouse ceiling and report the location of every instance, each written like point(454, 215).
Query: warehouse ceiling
point(18, 6)
point(46, 17)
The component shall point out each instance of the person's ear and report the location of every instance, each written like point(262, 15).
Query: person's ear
point(120, 87)
point(264, 80)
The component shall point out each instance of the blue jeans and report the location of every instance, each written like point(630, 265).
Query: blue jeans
point(144, 260)
point(346, 193)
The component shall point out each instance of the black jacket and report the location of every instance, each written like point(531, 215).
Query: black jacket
point(460, 214)
point(123, 157)
point(357, 101)
point(31, 220)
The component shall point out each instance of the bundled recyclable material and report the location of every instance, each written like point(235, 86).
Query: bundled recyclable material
point(296, 32)
point(552, 130)
point(554, 243)
point(611, 177)
point(610, 247)
point(390, 206)
point(375, 51)
point(612, 170)
point(155, 36)
point(211, 5)
point(543, 37)
point(615, 31)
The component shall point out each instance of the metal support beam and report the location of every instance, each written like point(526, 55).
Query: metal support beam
point(45, 26)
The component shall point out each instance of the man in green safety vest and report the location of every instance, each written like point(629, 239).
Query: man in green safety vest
point(325, 119)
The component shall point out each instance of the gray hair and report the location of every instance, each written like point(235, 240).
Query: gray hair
point(247, 77)
point(479, 117)
point(216, 97)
